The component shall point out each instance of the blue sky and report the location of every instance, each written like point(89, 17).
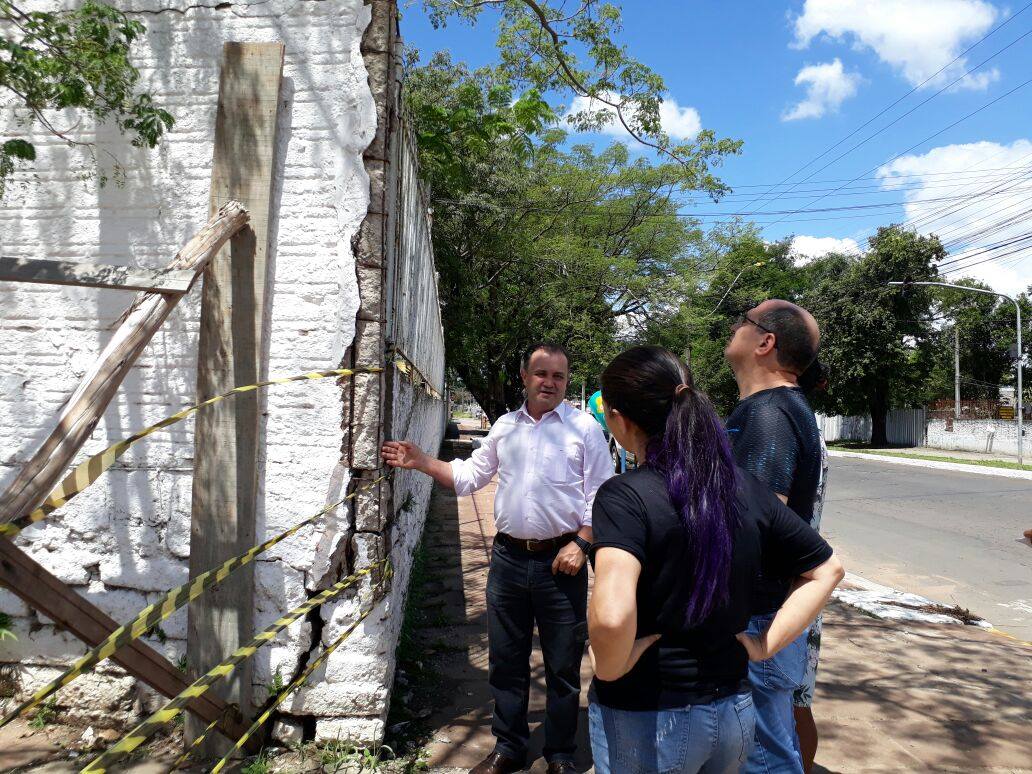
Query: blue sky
point(793, 78)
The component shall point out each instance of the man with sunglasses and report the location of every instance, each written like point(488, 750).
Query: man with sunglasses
point(774, 436)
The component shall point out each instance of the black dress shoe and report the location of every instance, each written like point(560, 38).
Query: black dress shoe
point(496, 763)
point(561, 767)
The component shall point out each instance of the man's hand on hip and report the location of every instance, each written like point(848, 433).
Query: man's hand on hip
point(569, 560)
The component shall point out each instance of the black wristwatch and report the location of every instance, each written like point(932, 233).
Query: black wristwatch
point(582, 544)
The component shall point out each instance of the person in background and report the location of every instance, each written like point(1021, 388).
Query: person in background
point(550, 459)
point(813, 379)
point(774, 436)
point(678, 544)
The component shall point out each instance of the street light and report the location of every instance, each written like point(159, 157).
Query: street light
point(1017, 309)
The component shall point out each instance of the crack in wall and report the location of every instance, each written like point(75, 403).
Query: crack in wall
point(183, 11)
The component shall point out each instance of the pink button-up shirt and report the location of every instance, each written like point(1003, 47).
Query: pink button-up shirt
point(548, 471)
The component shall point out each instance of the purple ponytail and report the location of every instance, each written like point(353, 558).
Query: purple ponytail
point(688, 445)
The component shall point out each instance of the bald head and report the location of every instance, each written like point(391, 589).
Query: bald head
point(796, 331)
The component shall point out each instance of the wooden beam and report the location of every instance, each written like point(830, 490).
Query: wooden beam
point(227, 437)
point(96, 388)
point(45, 593)
point(94, 275)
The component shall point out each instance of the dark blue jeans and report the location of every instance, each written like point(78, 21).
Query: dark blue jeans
point(522, 591)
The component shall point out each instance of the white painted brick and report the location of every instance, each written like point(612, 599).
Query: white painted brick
point(36, 644)
point(12, 605)
point(154, 573)
point(127, 538)
point(103, 700)
point(361, 732)
point(328, 699)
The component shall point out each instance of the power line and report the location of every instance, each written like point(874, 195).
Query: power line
point(920, 104)
point(932, 136)
point(878, 178)
point(914, 89)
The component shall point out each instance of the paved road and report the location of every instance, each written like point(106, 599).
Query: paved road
point(953, 537)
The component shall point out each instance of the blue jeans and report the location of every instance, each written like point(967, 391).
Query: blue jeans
point(773, 682)
point(708, 738)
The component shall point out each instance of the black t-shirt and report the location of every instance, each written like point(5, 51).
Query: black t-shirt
point(702, 663)
point(774, 436)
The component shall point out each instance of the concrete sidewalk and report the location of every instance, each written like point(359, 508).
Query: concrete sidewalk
point(890, 697)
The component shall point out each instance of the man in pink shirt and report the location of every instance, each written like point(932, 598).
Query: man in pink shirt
point(550, 459)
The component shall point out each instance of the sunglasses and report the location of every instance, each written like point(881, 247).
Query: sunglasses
point(744, 319)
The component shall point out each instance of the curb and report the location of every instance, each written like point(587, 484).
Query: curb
point(954, 466)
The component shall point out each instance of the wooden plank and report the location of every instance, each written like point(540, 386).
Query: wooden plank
point(94, 275)
point(226, 439)
point(85, 407)
point(45, 593)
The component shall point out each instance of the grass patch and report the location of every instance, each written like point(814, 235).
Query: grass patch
point(5, 627)
point(417, 684)
point(257, 765)
point(855, 447)
point(45, 715)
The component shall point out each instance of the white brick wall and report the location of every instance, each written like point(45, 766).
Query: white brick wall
point(974, 435)
point(127, 537)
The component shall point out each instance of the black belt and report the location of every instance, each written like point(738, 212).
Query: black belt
point(534, 546)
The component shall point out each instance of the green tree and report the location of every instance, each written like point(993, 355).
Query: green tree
point(534, 239)
point(871, 333)
point(551, 47)
point(986, 327)
point(738, 270)
point(78, 59)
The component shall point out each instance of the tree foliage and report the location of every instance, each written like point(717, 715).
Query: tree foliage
point(566, 47)
point(986, 327)
point(537, 239)
point(871, 333)
point(737, 270)
point(73, 59)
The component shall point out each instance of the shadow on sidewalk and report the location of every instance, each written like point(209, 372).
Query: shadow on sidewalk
point(449, 699)
point(918, 696)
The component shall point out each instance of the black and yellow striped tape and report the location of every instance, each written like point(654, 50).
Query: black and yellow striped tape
point(166, 606)
point(297, 683)
point(412, 374)
point(166, 714)
point(89, 470)
point(196, 743)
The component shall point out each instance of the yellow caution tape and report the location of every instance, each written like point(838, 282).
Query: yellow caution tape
point(194, 745)
point(91, 469)
point(413, 375)
point(999, 633)
point(165, 607)
point(166, 714)
point(295, 684)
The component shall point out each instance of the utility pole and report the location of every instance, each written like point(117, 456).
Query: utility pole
point(956, 370)
point(583, 396)
point(1017, 309)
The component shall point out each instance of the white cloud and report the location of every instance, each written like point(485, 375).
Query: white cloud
point(997, 179)
point(806, 248)
point(681, 123)
point(828, 85)
point(916, 37)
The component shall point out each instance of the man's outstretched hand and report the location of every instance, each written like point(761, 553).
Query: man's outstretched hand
point(404, 454)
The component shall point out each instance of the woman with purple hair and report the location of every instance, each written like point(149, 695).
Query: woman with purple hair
point(678, 544)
